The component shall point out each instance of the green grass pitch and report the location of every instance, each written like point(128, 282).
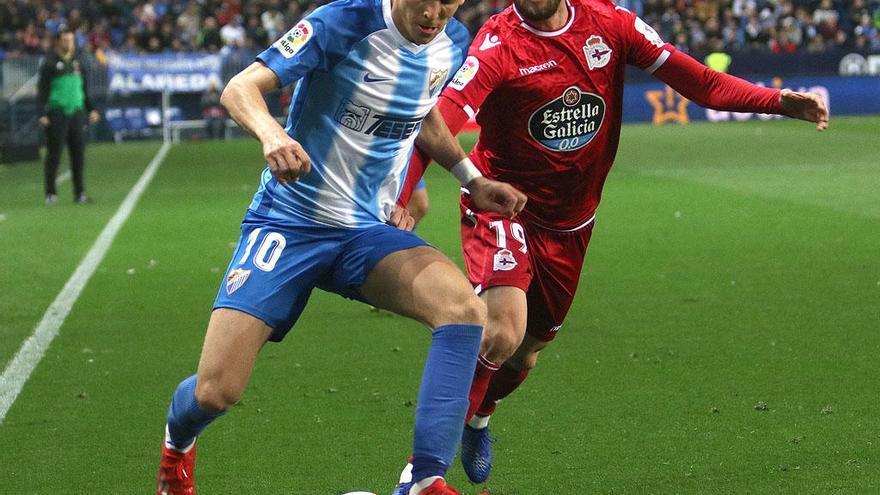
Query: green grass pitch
point(724, 338)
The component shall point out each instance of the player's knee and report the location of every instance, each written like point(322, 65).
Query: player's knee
point(501, 342)
point(214, 396)
point(506, 326)
point(467, 309)
point(474, 310)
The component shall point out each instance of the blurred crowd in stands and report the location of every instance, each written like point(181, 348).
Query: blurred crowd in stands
point(243, 27)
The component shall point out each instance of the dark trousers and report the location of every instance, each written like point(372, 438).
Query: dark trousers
point(216, 127)
point(70, 129)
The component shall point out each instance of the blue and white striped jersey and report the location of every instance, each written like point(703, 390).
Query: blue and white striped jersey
point(364, 90)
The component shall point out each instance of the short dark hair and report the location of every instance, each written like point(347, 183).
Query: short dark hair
point(62, 30)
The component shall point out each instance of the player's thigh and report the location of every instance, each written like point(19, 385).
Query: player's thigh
point(423, 284)
point(506, 321)
point(232, 342)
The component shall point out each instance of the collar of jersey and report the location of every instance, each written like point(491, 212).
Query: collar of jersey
point(548, 33)
point(405, 43)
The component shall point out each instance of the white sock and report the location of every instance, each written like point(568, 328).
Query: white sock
point(406, 474)
point(479, 422)
point(421, 485)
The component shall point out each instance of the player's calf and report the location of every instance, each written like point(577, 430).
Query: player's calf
point(186, 419)
point(504, 331)
point(443, 399)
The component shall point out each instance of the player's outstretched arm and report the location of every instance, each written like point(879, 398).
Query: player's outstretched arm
point(719, 91)
point(243, 99)
point(487, 195)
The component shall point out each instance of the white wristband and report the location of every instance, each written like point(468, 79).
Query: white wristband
point(465, 171)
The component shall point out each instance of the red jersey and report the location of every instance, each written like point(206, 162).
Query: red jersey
point(550, 103)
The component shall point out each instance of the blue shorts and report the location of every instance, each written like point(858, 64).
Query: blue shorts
point(420, 185)
point(276, 266)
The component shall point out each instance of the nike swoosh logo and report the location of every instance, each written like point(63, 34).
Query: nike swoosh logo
point(370, 79)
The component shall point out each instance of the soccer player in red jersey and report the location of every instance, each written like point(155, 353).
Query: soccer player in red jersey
point(547, 79)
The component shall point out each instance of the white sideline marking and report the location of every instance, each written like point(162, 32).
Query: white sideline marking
point(32, 350)
point(62, 178)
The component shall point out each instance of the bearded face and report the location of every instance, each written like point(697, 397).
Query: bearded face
point(537, 10)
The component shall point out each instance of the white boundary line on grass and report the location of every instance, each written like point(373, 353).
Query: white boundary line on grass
point(32, 350)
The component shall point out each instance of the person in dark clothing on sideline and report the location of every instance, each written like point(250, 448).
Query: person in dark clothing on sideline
point(213, 113)
point(63, 101)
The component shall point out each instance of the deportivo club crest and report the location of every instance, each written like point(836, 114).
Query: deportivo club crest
point(597, 52)
point(504, 261)
point(436, 80)
point(236, 279)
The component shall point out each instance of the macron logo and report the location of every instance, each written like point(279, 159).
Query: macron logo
point(491, 41)
point(525, 71)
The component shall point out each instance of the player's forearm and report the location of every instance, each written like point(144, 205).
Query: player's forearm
point(438, 142)
point(455, 118)
point(245, 104)
point(716, 90)
point(435, 139)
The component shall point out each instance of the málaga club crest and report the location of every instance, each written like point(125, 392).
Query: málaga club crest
point(436, 80)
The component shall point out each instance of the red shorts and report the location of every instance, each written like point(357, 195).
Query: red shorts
point(544, 263)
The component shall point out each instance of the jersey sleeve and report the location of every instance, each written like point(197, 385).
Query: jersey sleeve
point(480, 73)
point(461, 40)
point(310, 45)
point(713, 89)
point(645, 49)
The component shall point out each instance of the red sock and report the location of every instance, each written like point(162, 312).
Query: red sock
point(503, 383)
point(482, 375)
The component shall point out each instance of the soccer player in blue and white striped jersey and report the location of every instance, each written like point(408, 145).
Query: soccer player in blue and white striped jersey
point(369, 73)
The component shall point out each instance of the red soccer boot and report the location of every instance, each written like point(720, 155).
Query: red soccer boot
point(439, 487)
point(176, 472)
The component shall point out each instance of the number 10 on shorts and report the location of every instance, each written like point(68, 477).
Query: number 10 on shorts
point(269, 251)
